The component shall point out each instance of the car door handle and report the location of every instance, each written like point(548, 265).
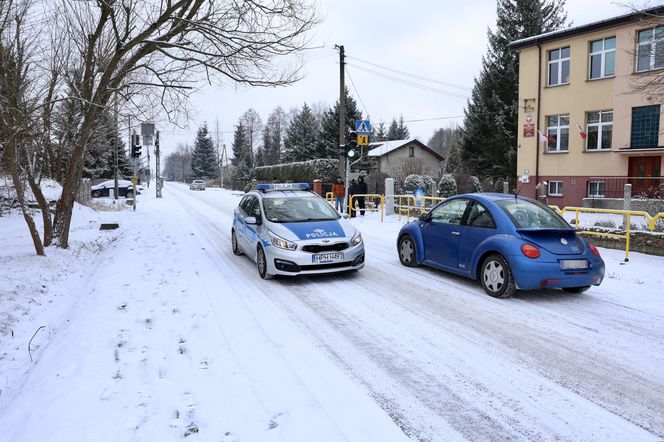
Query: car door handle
point(456, 233)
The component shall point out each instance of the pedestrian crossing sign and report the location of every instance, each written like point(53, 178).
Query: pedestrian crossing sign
point(363, 127)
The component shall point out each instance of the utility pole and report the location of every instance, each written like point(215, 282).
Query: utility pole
point(219, 157)
point(116, 143)
point(342, 110)
point(157, 166)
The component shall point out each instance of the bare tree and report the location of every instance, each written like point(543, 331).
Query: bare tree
point(17, 111)
point(253, 124)
point(131, 47)
point(413, 166)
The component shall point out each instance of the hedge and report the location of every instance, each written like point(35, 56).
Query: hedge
point(326, 169)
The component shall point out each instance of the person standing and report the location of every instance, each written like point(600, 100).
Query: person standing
point(339, 193)
point(352, 190)
point(361, 189)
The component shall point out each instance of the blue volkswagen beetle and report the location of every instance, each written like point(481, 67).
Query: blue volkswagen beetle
point(507, 242)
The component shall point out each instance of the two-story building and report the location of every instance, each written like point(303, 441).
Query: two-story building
point(590, 115)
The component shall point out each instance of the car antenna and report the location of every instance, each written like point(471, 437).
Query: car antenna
point(517, 192)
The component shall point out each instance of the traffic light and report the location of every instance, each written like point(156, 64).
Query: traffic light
point(135, 146)
point(351, 145)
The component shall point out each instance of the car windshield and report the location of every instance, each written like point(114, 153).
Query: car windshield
point(294, 209)
point(529, 215)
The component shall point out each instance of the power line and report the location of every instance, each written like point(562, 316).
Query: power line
point(433, 119)
point(410, 83)
point(420, 77)
point(358, 93)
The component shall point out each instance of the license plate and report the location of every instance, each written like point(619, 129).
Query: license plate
point(573, 264)
point(327, 257)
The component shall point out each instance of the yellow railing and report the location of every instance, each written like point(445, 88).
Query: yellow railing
point(407, 204)
point(627, 218)
point(329, 197)
point(368, 197)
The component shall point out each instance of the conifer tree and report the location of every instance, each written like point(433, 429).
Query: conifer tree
point(241, 155)
point(398, 130)
point(303, 139)
point(330, 126)
point(203, 159)
point(488, 145)
point(273, 136)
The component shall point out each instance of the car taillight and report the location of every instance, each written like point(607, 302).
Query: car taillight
point(530, 251)
point(593, 249)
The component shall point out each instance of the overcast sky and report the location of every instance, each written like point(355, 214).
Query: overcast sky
point(443, 40)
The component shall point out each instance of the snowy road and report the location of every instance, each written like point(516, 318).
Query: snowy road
point(192, 342)
point(445, 360)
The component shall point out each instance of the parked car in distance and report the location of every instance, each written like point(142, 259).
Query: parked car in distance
point(197, 185)
point(507, 242)
point(125, 189)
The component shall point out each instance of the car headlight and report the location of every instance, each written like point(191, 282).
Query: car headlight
point(281, 243)
point(357, 239)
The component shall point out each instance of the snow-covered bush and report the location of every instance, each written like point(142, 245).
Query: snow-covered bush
point(251, 185)
point(468, 184)
point(447, 186)
point(413, 182)
point(325, 169)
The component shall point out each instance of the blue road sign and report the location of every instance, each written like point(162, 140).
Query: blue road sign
point(363, 127)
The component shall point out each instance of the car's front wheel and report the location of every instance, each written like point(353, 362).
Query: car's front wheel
point(576, 289)
point(261, 263)
point(234, 244)
point(407, 251)
point(496, 277)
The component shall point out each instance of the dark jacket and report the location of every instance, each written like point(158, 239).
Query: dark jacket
point(361, 188)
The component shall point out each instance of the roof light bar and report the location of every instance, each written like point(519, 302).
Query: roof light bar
point(282, 186)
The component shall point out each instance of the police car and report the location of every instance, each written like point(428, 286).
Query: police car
point(288, 230)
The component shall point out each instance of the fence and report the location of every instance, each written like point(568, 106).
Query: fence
point(618, 224)
point(370, 200)
point(410, 205)
point(613, 187)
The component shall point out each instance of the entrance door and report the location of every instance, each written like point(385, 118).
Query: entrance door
point(644, 173)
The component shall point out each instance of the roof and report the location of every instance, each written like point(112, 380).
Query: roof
point(380, 148)
point(584, 29)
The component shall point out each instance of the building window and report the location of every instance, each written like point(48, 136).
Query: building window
point(559, 66)
point(599, 130)
point(596, 189)
point(603, 58)
point(557, 129)
point(411, 151)
point(650, 49)
point(645, 126)
point(555, 188)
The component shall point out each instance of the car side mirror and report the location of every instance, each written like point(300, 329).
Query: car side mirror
point(251, 220)
point(424, 217)
point(344, 215)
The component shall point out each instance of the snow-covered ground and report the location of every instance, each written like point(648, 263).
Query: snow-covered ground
point(156, 331)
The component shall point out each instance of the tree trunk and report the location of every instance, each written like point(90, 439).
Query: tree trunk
point(41, 201)
point(18, 186)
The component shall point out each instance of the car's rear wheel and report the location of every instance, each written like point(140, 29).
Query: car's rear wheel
point(407, 252)
point(261, 263)
point(129, 194)
point(576, 289)
point(96, 194)
point(496, 277)
point(234, 244)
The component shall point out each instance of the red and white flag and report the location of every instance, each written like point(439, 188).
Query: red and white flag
point(582, 132)
point(543, 138)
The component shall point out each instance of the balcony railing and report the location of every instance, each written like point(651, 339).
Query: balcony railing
point(613, 187)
